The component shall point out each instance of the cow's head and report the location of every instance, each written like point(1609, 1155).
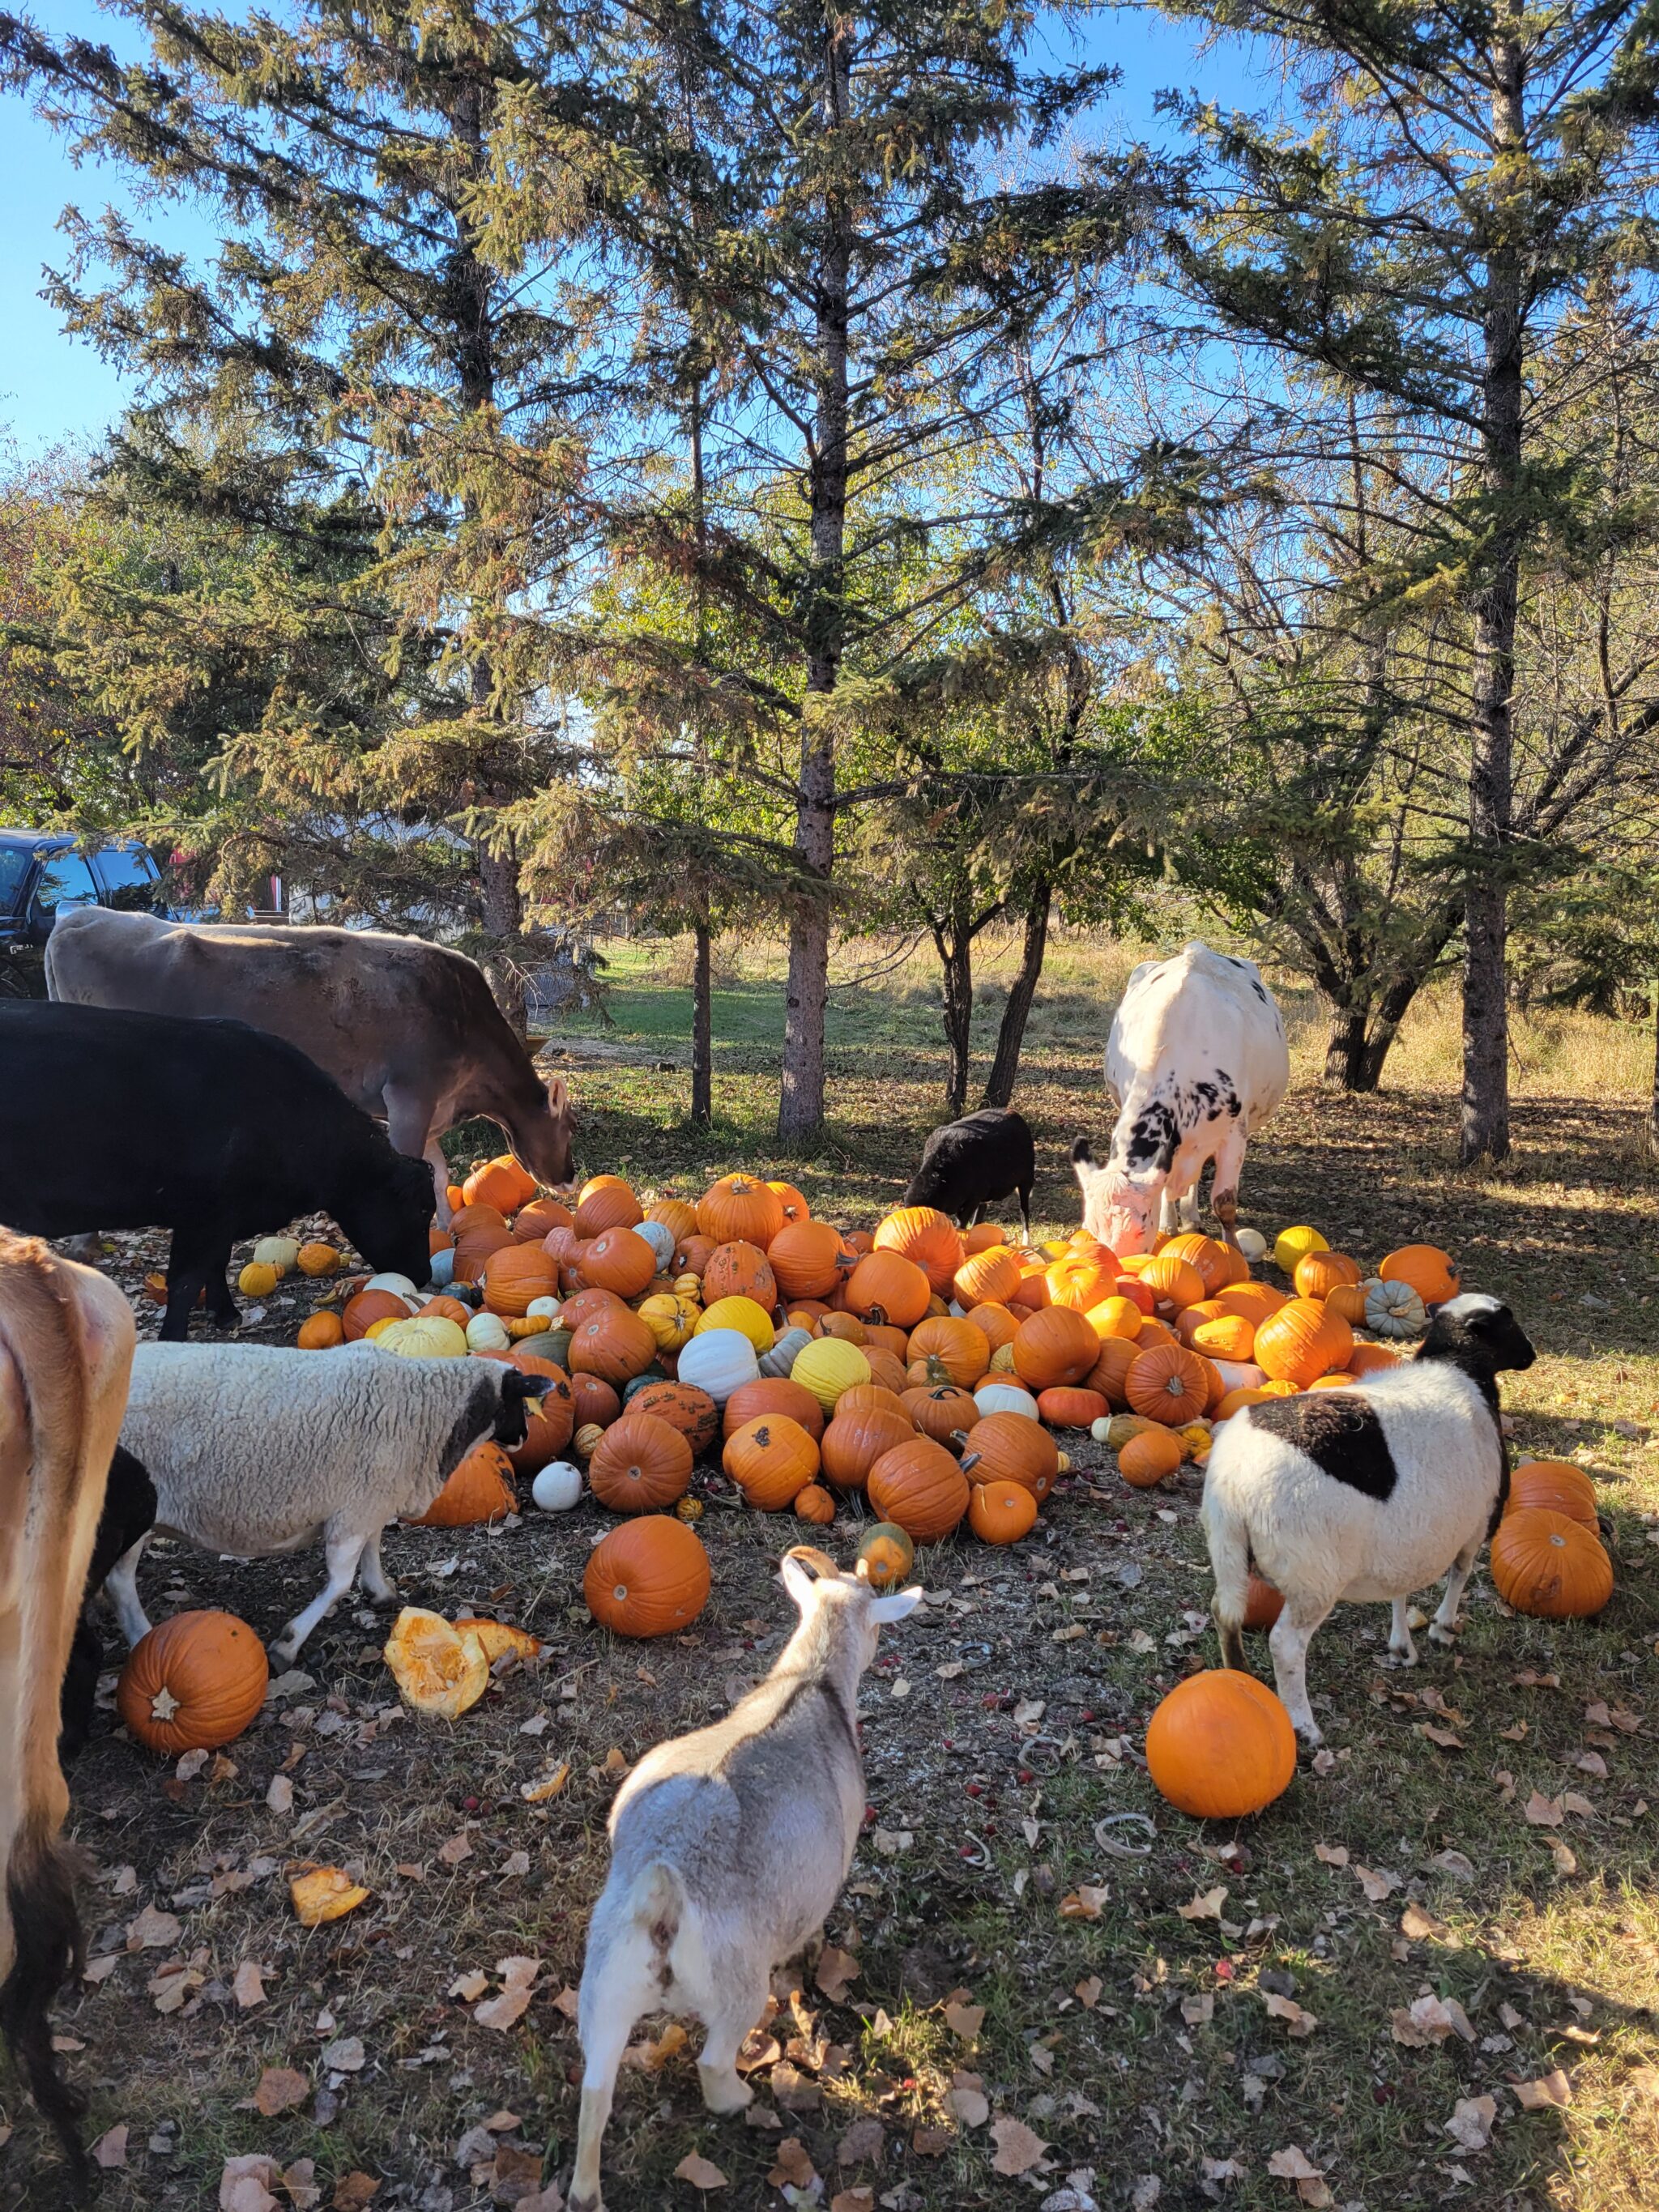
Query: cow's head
point(546, 1141)
point(1116, 1209)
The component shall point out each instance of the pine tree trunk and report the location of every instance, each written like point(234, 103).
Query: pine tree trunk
point(1653, 1103)
point(800, 1107)
point(1485, 1131)
point(1011, 1036)
point(955, 946)
point(703, 1030)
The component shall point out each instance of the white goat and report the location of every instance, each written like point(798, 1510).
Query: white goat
point(1371, 1491)
point(257, 1448)
point(728, 1849)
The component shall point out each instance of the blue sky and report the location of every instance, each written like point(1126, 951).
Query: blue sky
point(54, 388)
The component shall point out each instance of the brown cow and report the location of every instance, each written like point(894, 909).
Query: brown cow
point(409, 1030)
point(66, 1338)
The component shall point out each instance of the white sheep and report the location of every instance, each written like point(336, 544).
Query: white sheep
point(1370, 1492)
point(257, 1448)
point(728, 1847)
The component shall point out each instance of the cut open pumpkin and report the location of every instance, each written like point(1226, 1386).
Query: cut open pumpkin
point(439, 1668)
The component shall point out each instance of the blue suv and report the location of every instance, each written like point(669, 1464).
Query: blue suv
point(41, 870)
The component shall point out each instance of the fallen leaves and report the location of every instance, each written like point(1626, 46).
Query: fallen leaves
point(1206, 1905)
point(153, 1931)
point(1377, 1883)
point(279, 2089)
point(1428, 2020)
point(965, 2100)
point(1418, 1926)
point(1018, 2149)
point(1472, 2122)
point(1086, 1902)
point(835, 1969)
point(518, 1979)
point(1542, 1811)
point(110, 2151)
point(964, 2021)
point(248, 1987)
point(1550, 2092)
point(1293, 2164)
point(699, 2171)
point(1300, 2022)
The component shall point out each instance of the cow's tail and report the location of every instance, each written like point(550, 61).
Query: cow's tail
point(41, 1473)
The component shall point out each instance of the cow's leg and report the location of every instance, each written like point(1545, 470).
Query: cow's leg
point(1025, 1211)
point(190, 1266)
point(409, 1124)
point(1228, 1166)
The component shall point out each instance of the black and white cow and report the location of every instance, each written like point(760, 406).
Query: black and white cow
point(1195, 1062)
point(1371, 1491)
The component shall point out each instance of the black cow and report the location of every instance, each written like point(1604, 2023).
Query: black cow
point(968, 1164)
point(129, 1512)
point(208, 1128)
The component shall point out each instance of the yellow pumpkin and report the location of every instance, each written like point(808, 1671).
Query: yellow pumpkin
point(742, 1314)
point(258, 1279)
point(827, 1366)
point(670, 1319)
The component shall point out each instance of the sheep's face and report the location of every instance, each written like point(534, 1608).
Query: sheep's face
point(1116, 1210)
point(1480, 1331)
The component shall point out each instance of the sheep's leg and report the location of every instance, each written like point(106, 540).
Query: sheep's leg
point(1443, 1629)
point(1292, 1632)
point(342, 1553)
point(121, 1585)
point(1399, 1634)
point(724, 2089)
point(374, 1580)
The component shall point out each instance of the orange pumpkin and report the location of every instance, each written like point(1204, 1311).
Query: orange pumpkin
point(641, 1465)
point(773, 1393)
point(588, 1305)
point(1557, 1485)
point(1174, 1283)
point(359, 1313)
point(919, 1486)
point(927, 1237)
point(691, 1255)
point(885, 1287)
point(685, 1407)
point(533, 1222)
point(1110, 1373)
point(480, 1489)
point(1318, 1273)
point(1347, 1299)
point(501, 1182)
point(1169, 1383)
point(605, 1203)
point(1228, 1336)
point(546, 1433)
point(858, 1240)
point(882, 1336)
point(1369, 1358)
point(474, 1247)
point(986, 1277)
point(846, 1326)
point(1262, 1603)
point(994, 1323)
point(1233, 1401)
point(814, 1504)
point(771, 1459)
point(1118, 1316)
point(1031, 1294)
point(886, 1371)
point(321, 1332)
point(443, 1308)
point(647, 1577)
point(615, 1345)
point(737, 1208)
point(854, 1442)
point(1056, 1346)
point(1010, 1448)
point(1221, 1746)
point(885, 1556)
point(1191, 1319)
point(594, 1402)
point(941, 1411)
point(1254, 1301)
point(192, 1683)
point(1303, 1339)
point(982, 1236)
point(739, 1271)
point(516, 1274)
point(961, 1352)
point(1072, 1407)
point(808, 1259)
point(866, 1397)
point(1219, 1264)
point(465, 1218)
point(1543, 1563)
point(617, 1260)
point(678, 1215)
point(1430, 1272)
point(793, 1201)
point(1002, 1512)
point(1147, 1458)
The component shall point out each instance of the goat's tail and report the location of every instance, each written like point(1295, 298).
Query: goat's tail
point(660, 1907)
point(1228, 1537)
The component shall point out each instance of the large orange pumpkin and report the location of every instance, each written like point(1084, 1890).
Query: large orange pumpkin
point(1072, 1407)
point(615, 1345)
point(640, 1464)
point(475, 1247)
point(808, 1259)
point(1117, 1316)
point(961, 1352)
point(1002, 1512)
point(605, 1203)
point(1254, 1301)
point(930, 1238)
point(359, 1313)
point(1544, 1562)
point(1431, 1272)
point(995, 1324)
point(1304, 1338)
point(480, 1489)
point(1080, 1282)
point(1055, 1347)
point(501, 1182)
point(1221, 1746)
point(546, 1433)
point(854, 1442)
point(466, 1218)
point(1174, 1283)
point(1219, 1264)
point(617, 1260)
point(1168, 1383)
point(773, 1393)
point(987, 1276)
point(921, 1487)
point(885, 1287)
point(1009, 1447)
point(885, 1370)
point(678, 1215)
point(1110, 1373)
point(794, 1202)
point(1228, 1336)
point(192, 1683)
point(588, 1305)
point(1369, 1358)
point(647, 1577)
point(941, 1411)
point(533, 1222)
point(1556, 1485)
point(1318, 1273)
point(1148, 1457)
point(516, 1274)
point(771, 1459)
point(739, 1271)
point(685, 1407)
point(737, 1207)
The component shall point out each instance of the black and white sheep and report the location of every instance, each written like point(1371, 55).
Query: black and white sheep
point(256, 1449)
point(1371, 1491)
point(970, 1165)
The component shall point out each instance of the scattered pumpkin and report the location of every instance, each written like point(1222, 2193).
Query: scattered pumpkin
point(1549, 1565)
point(1293, 1244)
point(987, 1276)
point(943, 1412)
point(827, 1367)
point(741, 1314)
point(773, 1393)
point(1169, 1383)
point(1002, 1512)
point(593, 1402)
point(440, 1668)
point(1056, 1346)
point(919, 1486)
point(1262, 1603)
point(771, 1459)
point(1430, 1272)
point(1318, 1273)
point(1147, 1459)
point(1071, 1407)
point(615, 1345)
point(648, 1577)
point(192, 1683)
point(1221, 1746)
point(808, 1259)
point(640, 1464)
point(815, 1503)
point(278, 1252)
point(1220, 1265)
point(1557, 1485)
point(359, 1313)
point(605, 1203)
point(1174, 1283)
point(321, 1332)
point(1303, 1339)
point(258, 1280)
point(740, 1271)
point(927, 1237)
point(558, 1486)
point(321, 1893)
point(479, 1490)
point(885, 1556)
point(689, 1409)
point(886, 1288)
point(1008, 1448)
point(960, 1352)
point(855, 1441)
point(618, 1259)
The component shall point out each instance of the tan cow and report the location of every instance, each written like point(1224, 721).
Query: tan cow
point(411, 1031)
point(66, 1338)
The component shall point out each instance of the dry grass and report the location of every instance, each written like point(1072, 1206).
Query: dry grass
point(1176, 2070)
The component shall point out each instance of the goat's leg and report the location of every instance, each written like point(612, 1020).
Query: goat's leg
point(730, 2019)
point(341, 1552)
point(374, 1580)
point(1443, 1629)
point(603, 2042)
point(618, 1984)
point(121, 1585)
point(1292, 1632)
point(1399, 1634)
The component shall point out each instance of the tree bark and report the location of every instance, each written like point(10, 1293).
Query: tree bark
point(955, 945)
point(1653, 1103)
point(1011, 1034)
point(703, 1030)
point(1485, 1128)
point(800, 1107)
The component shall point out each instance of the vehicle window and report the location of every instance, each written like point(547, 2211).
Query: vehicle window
point(15, 864)
point(65, 880)
point(128, 878)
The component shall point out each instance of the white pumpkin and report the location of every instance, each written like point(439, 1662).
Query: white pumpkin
point(785, 1353)
point(1394, 1309)
point(487, 1332)
point(720, 1361)
point(399, 1285)
point(558, 1486)
point(426, 1336)
point(660, 1237)
point(1252, 1243)
point(1240, 1374)
point(279, 1252)
point(1005, 1398)
point(1101, 1431)
point(443, 1267)
point(545, 1310)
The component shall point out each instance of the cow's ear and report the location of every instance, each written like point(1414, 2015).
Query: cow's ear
point(556, 1093)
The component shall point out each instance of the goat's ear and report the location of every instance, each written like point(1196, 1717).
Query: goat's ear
point(895, 1605)
point(800, 1584)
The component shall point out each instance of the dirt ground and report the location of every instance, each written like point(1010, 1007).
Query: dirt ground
point(1428, 1974)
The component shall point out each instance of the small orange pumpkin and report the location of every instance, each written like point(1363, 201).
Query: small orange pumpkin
point(1262, 1603)
point(1002, 1512)
point(1072, 1407)
point(773, 1393)
point(192, 1683)
point(1174, 1283)
point(961, 1352)
point(739, 1271)
point(1318, 1273)
point(814, 1504)
point(1228, 1336)
point(1147, 1458)
point(1010, 1448)
point(641, 1465)
point(533, 1222)
point(1371, 1359)
point(688, 1409)
point(617, 1260)
point(321, 1332)
point(1347, 1299)
point(615, 1345)
point(605, 1203)
point(943, 1412)
point(359, 1313)
point(987, 1276)
point(594, 1402)
point(647, 1577)
point(1110, 1373)
point(808, 1259)
point(886, 1556)
point(1168, 1383)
